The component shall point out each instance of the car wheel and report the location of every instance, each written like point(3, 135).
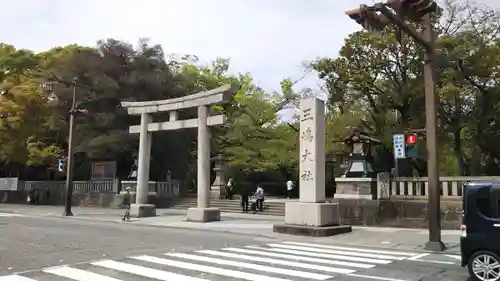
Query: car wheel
point(484, 266)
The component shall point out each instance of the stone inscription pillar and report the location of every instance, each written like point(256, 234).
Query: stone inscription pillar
point(312, 151)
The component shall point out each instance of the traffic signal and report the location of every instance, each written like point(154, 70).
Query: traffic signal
point(60, 165)
point(411, 145)
point(413, 9)
point(370, 20)
point(79, 111)
point(411, 139)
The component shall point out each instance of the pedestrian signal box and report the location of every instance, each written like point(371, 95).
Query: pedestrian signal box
point(411, 149)
point(411, 139)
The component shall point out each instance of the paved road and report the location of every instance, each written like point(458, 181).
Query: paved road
point(28, 243)
point(55, 249)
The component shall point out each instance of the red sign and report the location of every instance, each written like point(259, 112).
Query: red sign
point(411, 139)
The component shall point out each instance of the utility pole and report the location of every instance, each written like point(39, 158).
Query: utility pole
point(431, 101)
point(69, 163)
point(49, 86)
point(394, 13)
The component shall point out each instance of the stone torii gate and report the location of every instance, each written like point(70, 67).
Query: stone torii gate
point(202, 101)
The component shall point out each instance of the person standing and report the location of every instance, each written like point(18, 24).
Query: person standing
point(260, 198)
point(229, 189)
point(126, 202)
point(245, 194)
point(289, 189)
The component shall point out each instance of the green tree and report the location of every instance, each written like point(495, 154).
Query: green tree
point(23, 134)
point(469, 89)
point(381, 76)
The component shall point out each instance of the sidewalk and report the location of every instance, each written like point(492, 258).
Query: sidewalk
point(250, 224)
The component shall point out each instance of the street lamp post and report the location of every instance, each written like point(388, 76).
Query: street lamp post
point(69, 164)
point(376, 18)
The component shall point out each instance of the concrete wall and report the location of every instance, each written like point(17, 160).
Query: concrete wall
point(396, 213)
point(104, 200)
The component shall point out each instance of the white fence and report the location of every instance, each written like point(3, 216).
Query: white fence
point(418, 188)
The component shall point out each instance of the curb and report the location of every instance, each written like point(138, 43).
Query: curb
point(272, 236)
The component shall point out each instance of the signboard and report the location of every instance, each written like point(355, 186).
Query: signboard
point(8, 184)
point(105, 170)
point(398, 141)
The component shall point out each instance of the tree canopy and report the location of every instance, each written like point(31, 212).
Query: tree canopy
point(381, 77)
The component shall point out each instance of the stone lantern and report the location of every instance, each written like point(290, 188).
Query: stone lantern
point(360, 158)
point(359, 180)
point(221, 169)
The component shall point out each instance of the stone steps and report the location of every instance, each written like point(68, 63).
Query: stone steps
point(232, 206)
point(92, 202)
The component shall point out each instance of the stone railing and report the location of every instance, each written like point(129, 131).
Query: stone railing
point(163, 189)
point(78, 186)
point(133, 186)
point(95, 186)
point(168, 189)
point(418, 189)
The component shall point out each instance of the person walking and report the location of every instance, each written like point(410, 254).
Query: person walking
point(259, 194)
point(245, 194)
point(126, 202)
point(289, 189)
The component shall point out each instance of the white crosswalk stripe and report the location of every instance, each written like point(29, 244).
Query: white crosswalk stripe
point(11, 215)
point(286, 261)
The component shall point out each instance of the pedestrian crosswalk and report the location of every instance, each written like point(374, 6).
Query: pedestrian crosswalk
point(271, 262)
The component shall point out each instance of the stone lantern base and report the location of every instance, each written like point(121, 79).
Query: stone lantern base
point(218, 188)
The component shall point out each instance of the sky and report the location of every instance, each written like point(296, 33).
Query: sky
point(269, 39)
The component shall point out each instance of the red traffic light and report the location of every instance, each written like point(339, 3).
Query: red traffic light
point(411, 139)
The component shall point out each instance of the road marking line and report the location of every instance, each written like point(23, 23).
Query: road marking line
point(396, 253)
point(417, 258)
point(321, 255)
point(455, 257)
point(15, 278)
point(209, 269)
point(296, 273)
point(78, 274)
point(375, 277)
point(300, 258)
point(385, 257)
point(144, 271)
point(280, 262)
